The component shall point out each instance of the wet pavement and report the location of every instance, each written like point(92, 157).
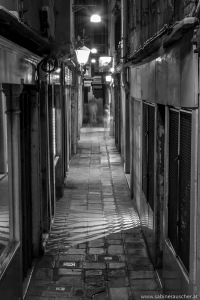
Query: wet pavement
point(95, 249)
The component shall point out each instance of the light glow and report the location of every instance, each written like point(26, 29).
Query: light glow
point(93, 60)
point(93, 50)
point(82, 55)
point(95, 18)
point(108, 78)
point(159, 59)
point(105, 60)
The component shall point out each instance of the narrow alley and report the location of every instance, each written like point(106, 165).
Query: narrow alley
point(95, 249)
point(99, 149)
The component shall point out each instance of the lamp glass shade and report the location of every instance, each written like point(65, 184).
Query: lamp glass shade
point(108, 78)
point(82, 55)
point(95, 18)
point(93, 50)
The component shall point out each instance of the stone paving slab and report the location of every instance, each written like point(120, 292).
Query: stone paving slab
point(142, 274)
point(95, 249)
point(75, 281)
point(115, 282)
point(117, 272)
point(73, 272)
point(96, 294)
point(43, 274)
point(108, 258)
point(115, 249)
point(116, 265)
point(144, 284)
point(121, 293)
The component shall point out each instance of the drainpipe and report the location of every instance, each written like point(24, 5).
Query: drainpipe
point(126, 87)
point(124, 43)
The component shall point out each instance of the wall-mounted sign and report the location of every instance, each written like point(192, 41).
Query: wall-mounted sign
point(97, 86)
point(105, 63)
point(97, 80)
point(87, 83)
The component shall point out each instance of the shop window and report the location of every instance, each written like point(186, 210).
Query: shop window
point(179, 183)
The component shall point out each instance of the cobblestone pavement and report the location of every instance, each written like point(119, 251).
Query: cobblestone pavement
point(95, 249)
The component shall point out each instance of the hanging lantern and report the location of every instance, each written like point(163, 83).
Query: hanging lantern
point(82, 55)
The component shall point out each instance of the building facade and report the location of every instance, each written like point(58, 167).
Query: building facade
point(157, 129)
point(38, 117)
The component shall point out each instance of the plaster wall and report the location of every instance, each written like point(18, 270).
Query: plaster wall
point(10, 4)
point(169, 79)
point(32, 16)
point(63, 22)
point(17, 64)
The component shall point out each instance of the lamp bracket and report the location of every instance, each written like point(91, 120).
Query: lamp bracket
point(76, 8)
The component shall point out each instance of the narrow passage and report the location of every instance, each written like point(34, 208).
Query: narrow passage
point(95, 249)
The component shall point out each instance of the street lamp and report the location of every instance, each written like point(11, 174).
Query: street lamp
point(108, 78)
point(93, 50)
point(82, 55)
point(95, 18)
point(76, 7)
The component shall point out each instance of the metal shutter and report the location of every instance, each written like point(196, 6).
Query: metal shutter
point(148, 153)
point(184, 187)
point(145, 150)
point(173, 177)
point(151, 150)
point(180, 128)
